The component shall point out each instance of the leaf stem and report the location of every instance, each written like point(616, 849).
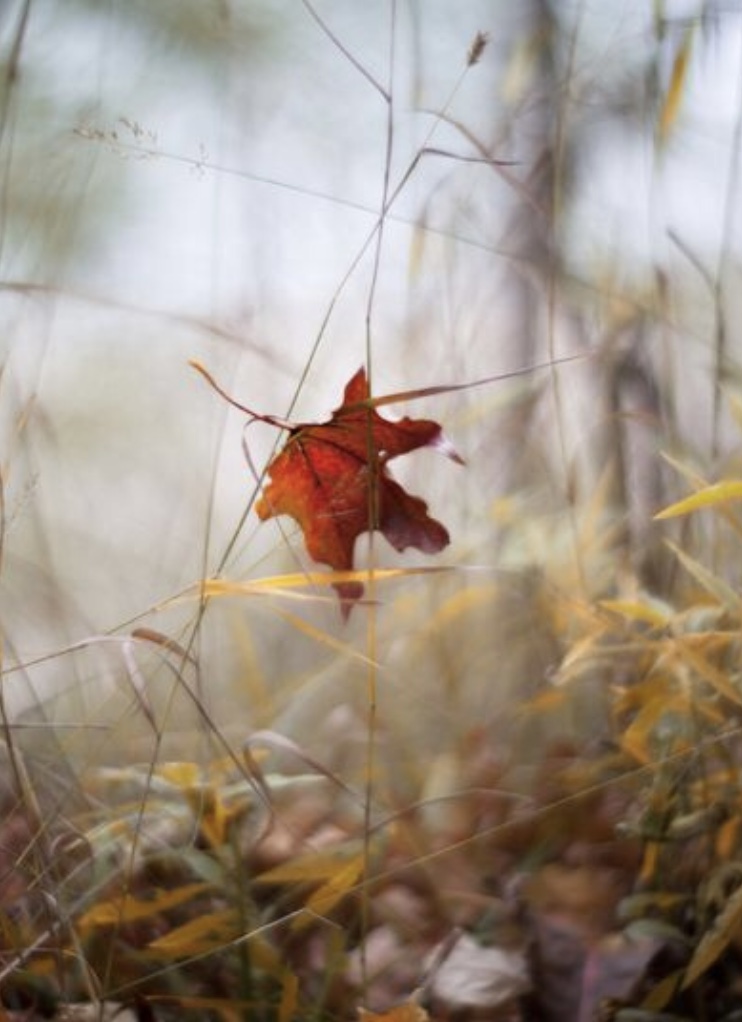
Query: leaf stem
point(271, 420)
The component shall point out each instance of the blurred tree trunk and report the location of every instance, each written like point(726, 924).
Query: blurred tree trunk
point(624, 393)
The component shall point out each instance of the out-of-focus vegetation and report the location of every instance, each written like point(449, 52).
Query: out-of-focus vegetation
point(508, 787)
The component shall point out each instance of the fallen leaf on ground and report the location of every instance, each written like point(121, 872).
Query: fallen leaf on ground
point(472, 976)
point(409, 1011)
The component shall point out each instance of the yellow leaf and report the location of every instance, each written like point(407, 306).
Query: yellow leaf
point(545, 701)
point(289, 997)
point(197, 936)
point(711, 674)
point(183, 774)
point(640, 738)
point(313, 868)
point(579, 658)
point(635, 610)
point(215, 816)
point(215, 932)
point(727, 839)
point(128, 909)
point(710, 496)
point(650, 863)
point(409, 1011)
point(331, 893)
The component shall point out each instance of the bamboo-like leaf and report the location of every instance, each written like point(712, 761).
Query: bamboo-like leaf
point(727, 839)
point(331, 893)
point(636, 610)
point(714, 585)
point(579, 658)
point(545, 701)
point(661, 701)
point(716, 940)
point(690, 474)
point(709, 496)
point(662, 993)
point(317, 866)
point(289, 997)
point(710, 673)
point(129, 909)
point(650, 863)
point(215, 818)
point(198, 936)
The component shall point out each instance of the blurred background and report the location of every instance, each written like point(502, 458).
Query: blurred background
point(205, 179)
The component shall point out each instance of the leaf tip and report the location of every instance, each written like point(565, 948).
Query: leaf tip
point(443, 444)
point(200, 368)
point(350, 593)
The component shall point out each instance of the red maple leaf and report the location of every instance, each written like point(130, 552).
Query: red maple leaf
point(332, 479)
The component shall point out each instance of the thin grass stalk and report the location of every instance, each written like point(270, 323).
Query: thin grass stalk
point(373, 519)
point(246, 979)
point(559, 145)
point(726, 256)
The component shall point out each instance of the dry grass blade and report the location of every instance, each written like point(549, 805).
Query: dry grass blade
point(450, 388)
point(678, 84)
point(710, 496)
point(281, 743)
point(711, 582)
point(321, 637)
